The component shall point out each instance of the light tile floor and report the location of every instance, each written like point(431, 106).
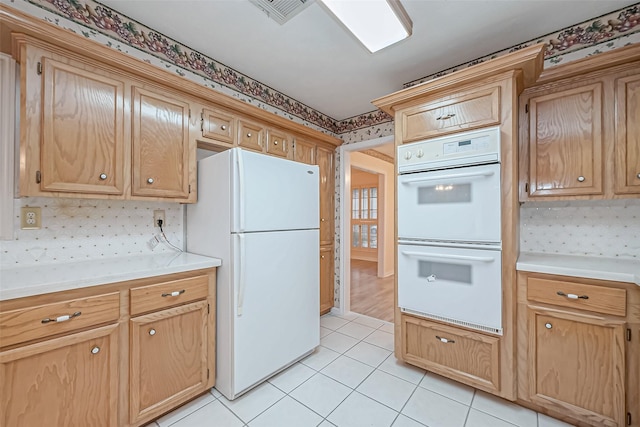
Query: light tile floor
point(354, 380)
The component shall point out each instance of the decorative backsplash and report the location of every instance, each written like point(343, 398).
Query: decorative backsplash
point(608, 228)
point(80, 229)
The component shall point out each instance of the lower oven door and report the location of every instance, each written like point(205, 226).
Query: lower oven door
point(457, 285)
point(460, 205)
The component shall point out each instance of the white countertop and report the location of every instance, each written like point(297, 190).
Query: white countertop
point(41, 279)
point(616, 269)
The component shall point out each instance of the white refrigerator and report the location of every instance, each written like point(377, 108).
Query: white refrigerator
point(260, 215)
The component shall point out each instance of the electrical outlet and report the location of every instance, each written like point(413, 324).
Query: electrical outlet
point(30, 218)
point(159, 215)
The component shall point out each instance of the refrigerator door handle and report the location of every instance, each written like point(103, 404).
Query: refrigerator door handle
point(240, 194)
point(241, 274)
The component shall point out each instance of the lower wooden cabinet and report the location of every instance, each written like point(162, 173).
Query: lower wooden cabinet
point(576, 354)
point(326, 279)
point(67, 381)
point(168, 358)
point(104, 368)
point(469, 357)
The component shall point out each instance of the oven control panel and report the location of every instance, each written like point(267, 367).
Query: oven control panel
point(461, 149)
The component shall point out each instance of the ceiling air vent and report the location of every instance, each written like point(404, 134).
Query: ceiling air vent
point(281, 10)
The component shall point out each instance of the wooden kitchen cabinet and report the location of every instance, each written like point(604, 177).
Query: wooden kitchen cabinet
point(576, 350)
point(75, 137)
point(67, 381)
point(116, 355)
point(250, 135)
point(627, 128)
point(160, 143)
point(218, 126)
point(466, 110)
point(565, 140)
point(324, 160)
point(82, 145)
point(278, 143)
point(326, 279)
point(304, 151)
point(579, 132)
point(169, 355)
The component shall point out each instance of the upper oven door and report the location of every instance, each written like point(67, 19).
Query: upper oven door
point(461, 205)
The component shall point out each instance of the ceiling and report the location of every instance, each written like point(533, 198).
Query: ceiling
point(314, 60)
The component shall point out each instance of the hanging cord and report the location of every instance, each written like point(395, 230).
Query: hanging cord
point(165, 240)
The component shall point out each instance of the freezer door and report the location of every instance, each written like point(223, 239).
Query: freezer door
point(271, 193)
point(277, 298)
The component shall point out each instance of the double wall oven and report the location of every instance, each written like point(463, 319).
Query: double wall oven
point(449, 229)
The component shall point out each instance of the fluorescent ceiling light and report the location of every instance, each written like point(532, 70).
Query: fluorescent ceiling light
point(376, 23)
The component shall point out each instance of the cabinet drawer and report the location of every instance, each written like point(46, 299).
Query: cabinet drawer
point(598, 299)
point(250, 135)
point(217, 125)
point(277, 143)
point(465, 356)
point(467, 111)
point(46, 320)
point(168, 294)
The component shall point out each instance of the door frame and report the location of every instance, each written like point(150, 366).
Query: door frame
point(344, 263)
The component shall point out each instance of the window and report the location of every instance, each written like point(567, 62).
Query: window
point(364, 217)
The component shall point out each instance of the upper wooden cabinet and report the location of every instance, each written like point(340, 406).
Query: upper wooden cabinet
point(160, 143)
point(278, 143)
point(82, 128)
point(565, 141)
point(218, 126)
point(250, 135)
point(325, 164)
point(465, 110)
point(75, 140)
point(579, 132)
point(304, 152)
point(627, 128)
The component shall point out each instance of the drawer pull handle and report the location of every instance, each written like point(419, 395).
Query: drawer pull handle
point(572, 296)
point(445, 340)
point(62, 318)
point(174, 293)
point(95, 350)
point(446, 116)
point(223, 127)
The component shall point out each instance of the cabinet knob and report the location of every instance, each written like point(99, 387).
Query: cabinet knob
point(249, 135)
point(445, 340)
point(548, 325)
point(152, 332)
point(581, 179)
point(150, 181)
point(95, 350)
point(638, 175)
point(103, 176)
point(275, 142)
point(321, 256)
point(223, 127)
point(322, 219)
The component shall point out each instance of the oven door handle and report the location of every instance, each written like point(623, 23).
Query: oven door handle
point(450, 176)
point(442, 256)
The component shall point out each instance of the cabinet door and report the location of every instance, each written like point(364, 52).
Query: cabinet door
point(565, 142)
point(304, 152)
point(464, 111)
point(325, 164)
point(168, 359)
point(161, 150)
point(627, 148)
point(326, 279)
point(68, 381)
point(250, 136)
point(82, 145)
point(576, 364)
point(217, 126)
point(278, 143)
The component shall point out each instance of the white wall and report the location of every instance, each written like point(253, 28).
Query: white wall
point(385, 234)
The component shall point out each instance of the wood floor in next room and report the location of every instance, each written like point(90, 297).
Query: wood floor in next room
point(370, 294)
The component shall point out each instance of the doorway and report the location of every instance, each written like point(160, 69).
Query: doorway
point(367, 252)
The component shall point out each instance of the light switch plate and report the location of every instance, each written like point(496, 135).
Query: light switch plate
point(30, 218)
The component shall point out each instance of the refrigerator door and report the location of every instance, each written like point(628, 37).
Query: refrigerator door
point(275, 310)
point(271, 193)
